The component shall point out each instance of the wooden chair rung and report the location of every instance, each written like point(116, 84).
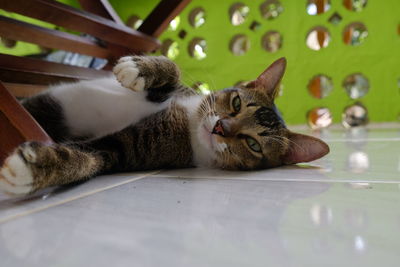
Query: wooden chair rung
point(101, 8)
point(71, 18)
point(15, 69)
point(17, 125)
point(160, 17)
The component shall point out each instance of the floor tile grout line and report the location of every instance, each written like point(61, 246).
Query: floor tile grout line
point(61, 202)
point(338, 140)
point(278, 179)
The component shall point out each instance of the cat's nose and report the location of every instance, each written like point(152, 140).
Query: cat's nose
point(219, 128)
point(223, 127)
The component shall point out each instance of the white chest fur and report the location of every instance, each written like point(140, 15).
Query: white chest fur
point(203, 155)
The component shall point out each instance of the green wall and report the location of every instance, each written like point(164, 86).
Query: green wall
point(378, 58)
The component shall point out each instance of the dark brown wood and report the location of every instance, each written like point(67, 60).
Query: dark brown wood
point(22, 31)
point(16, 125)
point(15, 69)
point(158, 20)
point(24, 77)
point(101, 8)
point(10, 138)
point(82, 21)
point(24, 90)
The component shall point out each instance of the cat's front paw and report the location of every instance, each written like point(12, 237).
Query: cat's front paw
point(16, 176)
point(127, 73)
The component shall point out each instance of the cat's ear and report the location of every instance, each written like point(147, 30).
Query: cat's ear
point(269, 80)
point(304, 148)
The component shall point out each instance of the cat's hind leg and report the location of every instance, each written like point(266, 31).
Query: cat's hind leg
point(157, 76)
point(144, 72)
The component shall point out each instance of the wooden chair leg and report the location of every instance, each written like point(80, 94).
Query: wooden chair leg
point(16, 125)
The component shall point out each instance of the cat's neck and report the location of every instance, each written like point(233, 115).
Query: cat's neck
point(201, 155)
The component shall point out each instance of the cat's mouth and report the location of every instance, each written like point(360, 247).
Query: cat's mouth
point(206, 137)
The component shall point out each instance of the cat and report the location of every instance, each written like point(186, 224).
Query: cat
point(143, 118)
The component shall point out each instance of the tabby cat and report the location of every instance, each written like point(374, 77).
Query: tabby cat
point(146, 119)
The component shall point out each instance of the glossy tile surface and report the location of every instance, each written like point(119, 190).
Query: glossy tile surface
point(343, 210)
point(14, 207)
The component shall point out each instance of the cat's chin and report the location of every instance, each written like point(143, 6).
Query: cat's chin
point(206, 138)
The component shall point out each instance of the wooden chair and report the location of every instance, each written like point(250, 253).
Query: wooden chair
point(22, 76)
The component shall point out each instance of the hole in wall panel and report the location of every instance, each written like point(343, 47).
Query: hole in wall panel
point(239, 44)
point(320, 86)
point(198, 48)
point(317, 7)
point(355, 5)
point(271, 9)
point(202, 88)
point(318, 38)
point(238, 13)
point(355, 34)
point(197, 17)
point(170, 49)
point(356, 85)
point(319, 118)
point(272, 41)
point(355, 115)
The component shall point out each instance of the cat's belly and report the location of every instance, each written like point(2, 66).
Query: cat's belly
point(100, 107)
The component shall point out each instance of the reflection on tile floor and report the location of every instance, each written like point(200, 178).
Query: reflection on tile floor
point(342, 210)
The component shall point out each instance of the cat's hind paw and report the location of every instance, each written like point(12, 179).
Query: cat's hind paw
point(15, 175)
point(127, 73)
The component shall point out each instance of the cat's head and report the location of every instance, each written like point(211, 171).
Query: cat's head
point(240, 127)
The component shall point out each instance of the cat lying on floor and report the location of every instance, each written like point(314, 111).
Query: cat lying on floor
point(149, 120)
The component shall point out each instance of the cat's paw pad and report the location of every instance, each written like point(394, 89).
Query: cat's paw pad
point(127, 73)
point(15, 174)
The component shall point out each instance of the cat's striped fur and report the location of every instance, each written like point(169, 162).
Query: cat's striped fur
point(156, 123)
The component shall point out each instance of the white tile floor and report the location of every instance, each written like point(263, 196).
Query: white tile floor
point(343, 210)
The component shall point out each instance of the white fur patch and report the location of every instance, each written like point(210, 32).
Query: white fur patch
point(102, 106)
point(15, 176)
point(191, 104)
point(123, 59)
point(204, 144)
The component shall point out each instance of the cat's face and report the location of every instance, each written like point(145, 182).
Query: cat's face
point(241, 128)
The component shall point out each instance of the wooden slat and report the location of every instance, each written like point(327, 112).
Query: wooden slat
point(82, 21)
point(27, 70)
point(25, 77)
point(16, 125)
point(10, 137)
point(158, 20)
point(22, 31)
point(101, 8)
point(24, 90)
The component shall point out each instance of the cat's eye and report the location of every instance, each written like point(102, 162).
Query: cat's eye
point(253, 144)
point(236, 104)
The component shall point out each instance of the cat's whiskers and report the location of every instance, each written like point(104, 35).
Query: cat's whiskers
point(209, 78)
point(190, 78)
